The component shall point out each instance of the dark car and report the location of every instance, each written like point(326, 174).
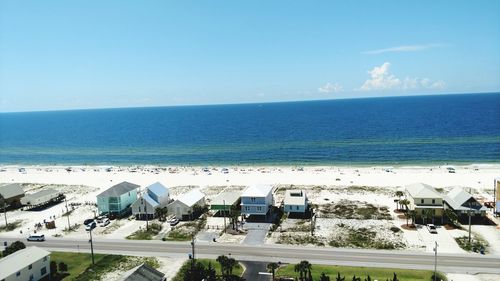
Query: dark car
point(87, 221)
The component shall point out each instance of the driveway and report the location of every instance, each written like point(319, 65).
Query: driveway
point(256, 234)
point(252, 269)
point(446, 243)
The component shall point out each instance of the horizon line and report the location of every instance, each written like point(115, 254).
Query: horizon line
point(246, 103)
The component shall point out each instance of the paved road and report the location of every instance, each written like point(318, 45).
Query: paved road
point(252, 269)
point(453, 263)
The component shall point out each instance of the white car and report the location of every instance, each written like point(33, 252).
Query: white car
point(90, 226)
point(36, 237)
point(104, 222)
point(432, 228)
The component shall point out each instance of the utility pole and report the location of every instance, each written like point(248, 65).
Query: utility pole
point(67, 213)
point(146, 211)
point(435, 259)
point(224, 202)
point(91, 247)
point(469, 212)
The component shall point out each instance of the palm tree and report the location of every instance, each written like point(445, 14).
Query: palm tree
point(412, 214)
point(3, 204)
point(427, 214)
point(161, 213)
point(304, 270)
point(272, 267)
point(298, 268)
point(339, 278)
point(399, 194)
point(231, 263)
point(324, 277)
point(223, 261)
point(452, 216)
point(405, 203)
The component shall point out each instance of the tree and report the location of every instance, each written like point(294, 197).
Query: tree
point(231, 263)
point(3, 205)
point(161, 213)
point(14, 247)
point(399, 194)
point(395, 278)
point(298, 268)
point(368, 278)
point(452, 216)
point(405, 203)
point(63, 267)
point(304, 270)
point(234, 213)
point(272, 267)
point(324, 277)
point(195, 272)
point(339, 278)
point(53, 268)
point(223, 261)
point(210, 273)
point(412, 214)
point(427, 214)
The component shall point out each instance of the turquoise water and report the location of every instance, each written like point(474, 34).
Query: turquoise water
point(396, 130)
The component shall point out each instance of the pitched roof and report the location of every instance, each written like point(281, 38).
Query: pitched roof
point(261, 190)
point(227, 197)
point(422, 190)
point(158, 189)
point(457, 198)
point(295, 197)
point(143, 272)
point(191, 198)
point(150, 200)
point(19, 260)
point(11, 190)
point(118, 189)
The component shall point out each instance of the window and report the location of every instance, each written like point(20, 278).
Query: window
point(18, 273)
point(43, 271)
point(252, 199)
point(433, 201)
point(31, 277)
point(259, 208)
point(30, 266)
point(297, 208)
point(422, 201)
point(247, 208)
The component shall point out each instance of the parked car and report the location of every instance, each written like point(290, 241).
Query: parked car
point(36, 237)
point(173, 221)
point(100, 219)
point(104, 222)
point(87, 221)
point(432, 228)
point(90, 226)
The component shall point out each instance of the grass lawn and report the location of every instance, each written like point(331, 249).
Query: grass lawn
point(350, 271)
point(178, 235)
point(80, 264)
point(143, 234)
point(77, 263)
point(237, 270)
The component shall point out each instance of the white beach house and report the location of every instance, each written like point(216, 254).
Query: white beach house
point(295, 201)
point(184, 206)
point(31, 263)
point(257, 200)
point(424, 199)
point(155, 196)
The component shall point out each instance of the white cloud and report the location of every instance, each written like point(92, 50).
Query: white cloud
point(382, 79)
point(331, 88)
point(405, 48)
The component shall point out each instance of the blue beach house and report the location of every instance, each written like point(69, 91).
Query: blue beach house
point(116, 200)
point(257, 200)
point(155, 196)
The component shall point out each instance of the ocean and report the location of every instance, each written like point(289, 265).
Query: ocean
point(454, 129)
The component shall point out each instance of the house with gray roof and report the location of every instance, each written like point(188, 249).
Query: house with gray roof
point(184, 206)
point(116, 200)
point(462, 202)
point(31, 263)
point(12, 194)
point(155, 196)
point(143, 272)
point(424, 197)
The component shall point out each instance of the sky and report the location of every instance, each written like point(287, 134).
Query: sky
point(101, 54)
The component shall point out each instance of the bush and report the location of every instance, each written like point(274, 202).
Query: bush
point(14, 247)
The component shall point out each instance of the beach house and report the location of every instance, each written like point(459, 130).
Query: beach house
point(224, 201)
point(143, 272)
point(12, 194)
point(31, 263)
point(257, 200)
point(188, 205)
point(496, 191)
point(155, 196)
point(116, 200)
point(463, 203)
point(425, 201)
point(295, 201)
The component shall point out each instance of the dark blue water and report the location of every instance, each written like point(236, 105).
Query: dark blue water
point(396, 130)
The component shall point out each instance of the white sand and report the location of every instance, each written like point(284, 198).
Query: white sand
point(83, 183)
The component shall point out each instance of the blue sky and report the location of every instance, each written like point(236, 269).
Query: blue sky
point(94, 54)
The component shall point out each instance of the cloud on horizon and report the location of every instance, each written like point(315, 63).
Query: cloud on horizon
point(382, 79)
point(405, 48)
point(331, 88)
